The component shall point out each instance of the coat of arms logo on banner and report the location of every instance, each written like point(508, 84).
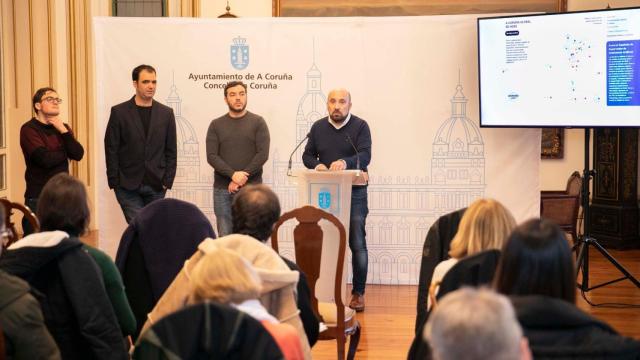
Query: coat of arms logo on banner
point(239, 52)
point(324, 199)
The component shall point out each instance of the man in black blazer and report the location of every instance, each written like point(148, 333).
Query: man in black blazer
point(140, 146)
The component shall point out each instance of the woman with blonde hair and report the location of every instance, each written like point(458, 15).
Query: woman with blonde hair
point(486, 224)
point(224, 277)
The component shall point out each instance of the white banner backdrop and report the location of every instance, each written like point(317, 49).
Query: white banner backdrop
point(414, 79)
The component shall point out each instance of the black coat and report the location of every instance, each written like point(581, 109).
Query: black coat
point(435, 250)
point(207, 331)
point(26, 336)
point(153, 250)
point(130, 154)
point(473, 270)
point(74, 302)
point(557, 329)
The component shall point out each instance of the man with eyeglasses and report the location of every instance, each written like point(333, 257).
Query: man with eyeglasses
point(47, 144)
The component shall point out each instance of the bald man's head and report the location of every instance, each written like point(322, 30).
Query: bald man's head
point(339, 104)
point(254, 210)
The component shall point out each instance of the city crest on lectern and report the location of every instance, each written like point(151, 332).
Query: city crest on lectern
point(239, 52)
point(324, 199)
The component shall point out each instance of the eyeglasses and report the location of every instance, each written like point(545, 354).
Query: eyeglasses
point(52, 100)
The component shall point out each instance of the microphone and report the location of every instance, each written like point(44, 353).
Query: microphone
point(294, 151)
point(356, 150)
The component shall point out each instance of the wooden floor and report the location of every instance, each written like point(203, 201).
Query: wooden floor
point(389, 318)
point(388, 322)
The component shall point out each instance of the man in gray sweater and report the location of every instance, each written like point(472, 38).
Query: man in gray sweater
point(237, 148)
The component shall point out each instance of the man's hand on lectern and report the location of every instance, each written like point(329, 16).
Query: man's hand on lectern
point(338, 165)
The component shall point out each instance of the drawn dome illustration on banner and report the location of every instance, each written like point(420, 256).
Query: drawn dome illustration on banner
point(188, 168)
point(458, 148)
point(239, 52)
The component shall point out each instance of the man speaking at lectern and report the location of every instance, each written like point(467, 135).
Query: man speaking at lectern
point(338, 142)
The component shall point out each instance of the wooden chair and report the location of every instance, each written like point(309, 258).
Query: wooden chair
point(563, 206)
point(9, 208)
point(308, 238)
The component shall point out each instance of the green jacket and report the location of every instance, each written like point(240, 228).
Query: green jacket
point(115, 290)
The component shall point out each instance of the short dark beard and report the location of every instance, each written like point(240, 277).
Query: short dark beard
point(339, 120)
point(232, 110)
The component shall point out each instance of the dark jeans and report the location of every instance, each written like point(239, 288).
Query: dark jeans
point(131, 201)
point(32, 204)
point(222, 200)
point(357, 238)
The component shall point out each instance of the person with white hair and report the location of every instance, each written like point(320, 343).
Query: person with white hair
point(475, 324)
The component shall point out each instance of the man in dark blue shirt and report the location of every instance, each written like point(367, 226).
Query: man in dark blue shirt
point(331, 147)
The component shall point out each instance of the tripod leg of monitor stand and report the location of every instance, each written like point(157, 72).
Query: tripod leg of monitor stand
point(582, 263)
point(614, 262)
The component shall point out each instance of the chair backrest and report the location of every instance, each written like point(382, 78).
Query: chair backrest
point(207, 331)
point(574, 184)
point(9, 209)
point(474, 270)
point(307, 242)
point(562, 207)
point(435, 250)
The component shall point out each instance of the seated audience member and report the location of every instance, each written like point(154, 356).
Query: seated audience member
point(224, 277)
point(25, 334)
point(278, 282)
point(483, 229)
point(254, 211)
point(154, 248)
point(74, 301)
point(66, 208)
point(475, 324)
point(537, 270)
point(485, 225)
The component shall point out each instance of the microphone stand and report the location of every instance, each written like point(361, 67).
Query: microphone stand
point(357, 154)
point(293, 152)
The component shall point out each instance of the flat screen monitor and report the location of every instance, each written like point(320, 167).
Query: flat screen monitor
point(578, 69)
